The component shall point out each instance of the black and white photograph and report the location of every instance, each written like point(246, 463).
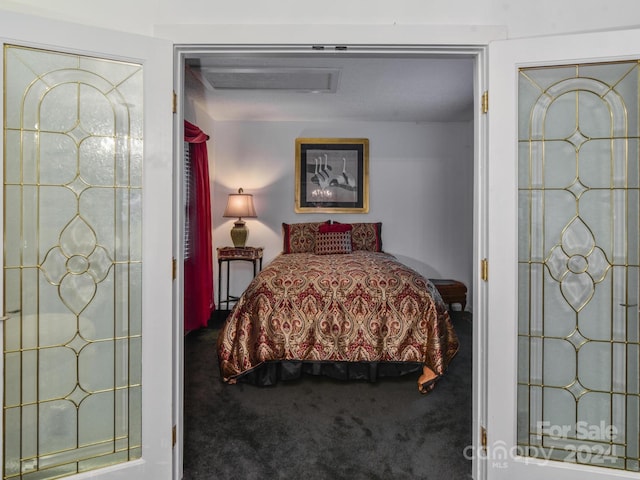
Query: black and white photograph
point(332, 175)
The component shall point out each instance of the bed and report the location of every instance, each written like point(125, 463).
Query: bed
point(334, 303)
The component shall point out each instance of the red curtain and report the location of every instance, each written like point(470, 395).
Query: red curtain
point(198, 266)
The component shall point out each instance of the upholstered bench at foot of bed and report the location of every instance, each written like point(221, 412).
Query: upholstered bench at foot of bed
point(451, 291)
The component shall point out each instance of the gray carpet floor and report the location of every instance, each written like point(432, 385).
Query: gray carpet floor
point(316, 428)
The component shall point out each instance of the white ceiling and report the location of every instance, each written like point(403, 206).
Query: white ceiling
point(408, 89)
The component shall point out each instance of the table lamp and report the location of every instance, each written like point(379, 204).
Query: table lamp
point(240, 205)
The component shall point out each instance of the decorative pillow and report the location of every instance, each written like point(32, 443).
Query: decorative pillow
point(335, 227)
point(328, 243)
point(366, 236)
point(300, 237)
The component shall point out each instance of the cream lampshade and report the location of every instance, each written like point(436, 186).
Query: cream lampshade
point(240, 205)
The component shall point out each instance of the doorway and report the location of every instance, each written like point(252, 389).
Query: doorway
point(220, 64)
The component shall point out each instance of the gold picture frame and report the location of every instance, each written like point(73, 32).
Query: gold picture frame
point(332, 175)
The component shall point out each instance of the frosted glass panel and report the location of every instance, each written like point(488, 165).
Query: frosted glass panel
point(578, 236)
point(72, 263)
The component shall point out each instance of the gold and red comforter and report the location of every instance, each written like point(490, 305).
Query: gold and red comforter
point(358, 307)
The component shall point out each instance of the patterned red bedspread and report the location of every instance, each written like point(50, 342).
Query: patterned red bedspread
point(358, 307)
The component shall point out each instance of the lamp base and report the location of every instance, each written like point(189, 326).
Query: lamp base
point(239, 234)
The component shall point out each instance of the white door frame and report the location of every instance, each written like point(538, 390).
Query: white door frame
point(178, 259)
point(479, 53)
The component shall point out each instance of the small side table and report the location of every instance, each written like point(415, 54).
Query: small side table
point(451, 291)
point(231, 254)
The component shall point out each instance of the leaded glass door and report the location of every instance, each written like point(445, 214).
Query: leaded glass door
point(567, 317)
point(86, 382)
point(578, 263)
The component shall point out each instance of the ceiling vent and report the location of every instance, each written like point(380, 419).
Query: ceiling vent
point(316, 80)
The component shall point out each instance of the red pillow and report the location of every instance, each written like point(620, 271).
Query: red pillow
point(336, 227)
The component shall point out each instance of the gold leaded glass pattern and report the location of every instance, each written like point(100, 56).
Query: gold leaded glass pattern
point(579, 266)
point(72, 263)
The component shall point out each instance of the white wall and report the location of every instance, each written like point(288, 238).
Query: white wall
point(421, 188)
point(522, 17)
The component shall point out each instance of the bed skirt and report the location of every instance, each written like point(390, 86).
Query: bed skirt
point(270, 373)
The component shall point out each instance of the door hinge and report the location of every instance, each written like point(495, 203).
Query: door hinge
point(484, 269)
point(174, 101)
point(173, 436)
point(485, 102)
point(483, 438)
point(174, 268)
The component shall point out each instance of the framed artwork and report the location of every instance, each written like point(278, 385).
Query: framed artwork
point(332, 175)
